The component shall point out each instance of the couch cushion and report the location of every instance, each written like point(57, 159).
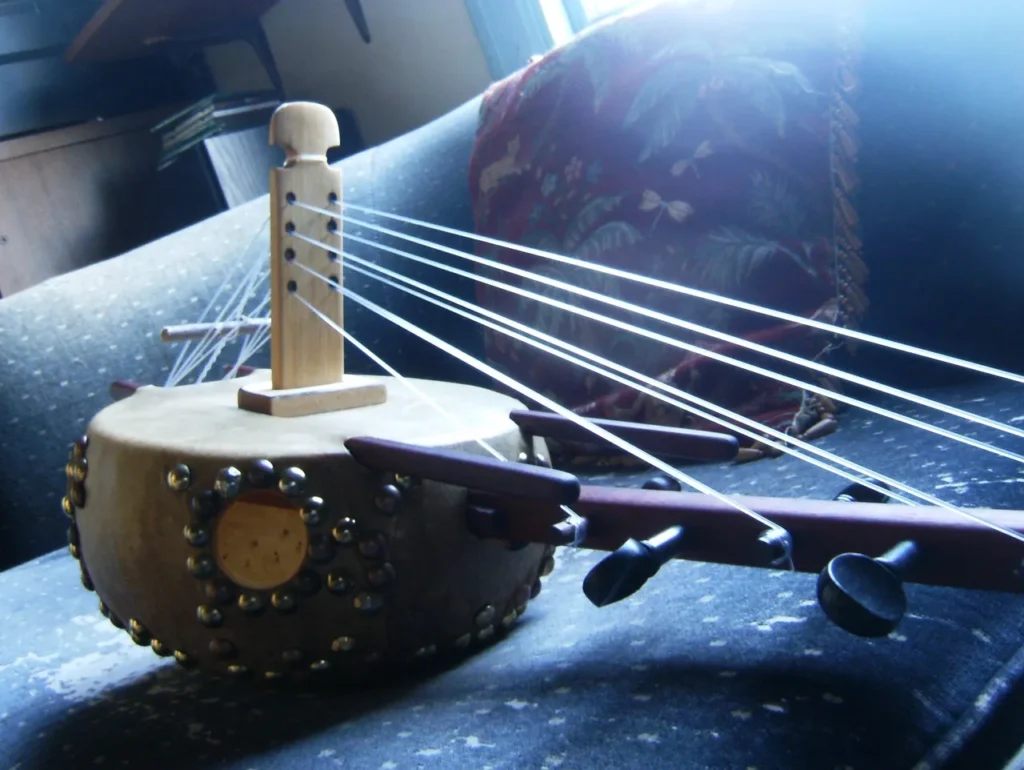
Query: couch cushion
point(707, 666)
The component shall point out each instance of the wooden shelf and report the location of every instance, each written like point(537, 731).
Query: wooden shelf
point(128, 29)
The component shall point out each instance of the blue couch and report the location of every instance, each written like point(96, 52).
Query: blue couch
point(707, 667)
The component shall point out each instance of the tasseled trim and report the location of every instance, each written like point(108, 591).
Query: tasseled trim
point(851, 272)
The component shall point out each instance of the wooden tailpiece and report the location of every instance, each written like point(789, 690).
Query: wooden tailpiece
point(658, 440)
point(480, 474)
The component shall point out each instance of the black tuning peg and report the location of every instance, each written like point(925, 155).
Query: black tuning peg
point(860, 493)
point(624, 571)
point(663, 484)
point(775, 548)
point(864, 596)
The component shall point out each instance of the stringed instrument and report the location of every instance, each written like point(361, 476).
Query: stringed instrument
point(305, 521)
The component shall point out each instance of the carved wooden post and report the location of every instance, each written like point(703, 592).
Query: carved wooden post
point(307, 354)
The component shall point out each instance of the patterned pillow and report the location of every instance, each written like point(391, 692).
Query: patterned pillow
point(711, 144)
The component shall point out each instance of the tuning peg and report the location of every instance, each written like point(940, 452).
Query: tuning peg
point(775, 548)
point(663, 484)
point(864, 596)
point(859, 493)
point(624, 571)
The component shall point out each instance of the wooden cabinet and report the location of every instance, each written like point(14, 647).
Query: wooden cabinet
point(79, 195)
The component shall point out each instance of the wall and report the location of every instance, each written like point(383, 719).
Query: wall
point(424, 59)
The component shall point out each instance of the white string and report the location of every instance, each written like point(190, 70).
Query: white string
point(706, 331)
point(250, 269)
point(709, 296)
point(752, 434)
point(573, 517)
point(233, 308)
point(682, 394)
point(529, 393)
point(690, 348)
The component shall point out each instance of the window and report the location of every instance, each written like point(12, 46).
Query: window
point(585, 12)
point(513, 31)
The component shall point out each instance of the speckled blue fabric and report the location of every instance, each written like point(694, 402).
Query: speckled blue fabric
point(706, 667)
point(62, 343)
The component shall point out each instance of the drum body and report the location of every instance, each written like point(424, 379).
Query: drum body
point(256, 545)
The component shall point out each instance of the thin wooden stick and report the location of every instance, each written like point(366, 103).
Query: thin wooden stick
point(182, 332)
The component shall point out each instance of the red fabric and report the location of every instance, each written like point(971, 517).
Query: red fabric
point(710, 144)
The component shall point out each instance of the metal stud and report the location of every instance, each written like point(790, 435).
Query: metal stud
point(251, 603)
point(343, 644)
point(261, 474)
point(218, 592)
point(338, 582)
point(73, 538)
point(77, 469)
point(368, 603)
point(485, 616)
point(104, 609)
point(542, 461)
point(228, 482)
point(463, 641)
point(222, 648)
point(115, 621)
point(200, 565)
point(67, 507)
point(388, 498)
point(509, 620)
point(182, 658)
point(196, 535)
point(160, 648)
point(292, 657)
point(485, 633)
point(523, 457)
point(404, 482)
point(521, 596)
point(138, 632)
point(547, 567)
point(205, 504)
point(77, 494)
point(321, 548)
point(425, 652)
point(318, 666)
point(381, 576)
point(73, 550)
point(237, 669)
point(282, 601)
point(273, 676)
point(292, 482)
point(179, 478)
point(312, 511)
point(308, 582)
point(211, 617)
point(79, 447)
point(87, 580)
point(344, 531)
point(142, 641)
point(372, 547)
